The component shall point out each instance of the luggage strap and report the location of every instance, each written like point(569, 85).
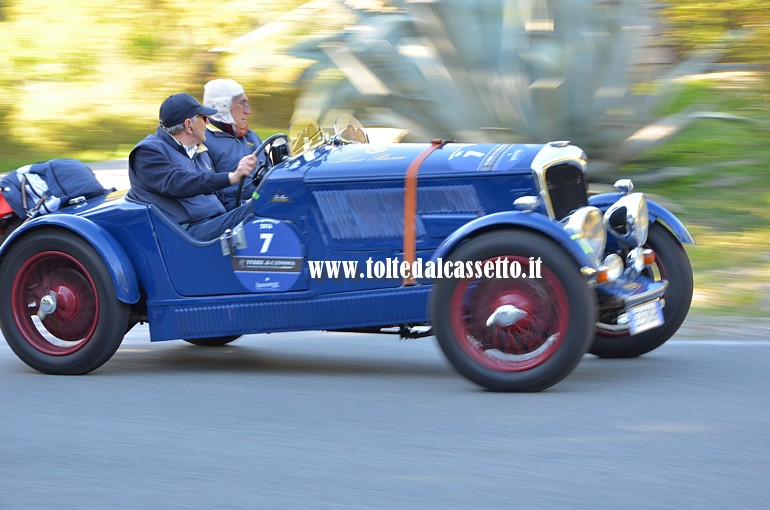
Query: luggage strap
point(410, 207)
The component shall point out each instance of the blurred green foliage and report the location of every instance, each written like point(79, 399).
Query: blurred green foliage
point(741, 27)
point(85, 78)
point(714, 176)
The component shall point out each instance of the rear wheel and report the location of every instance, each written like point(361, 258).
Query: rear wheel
point(8, 225)
point(60, 314)
point(514, 334)
point(672, 264)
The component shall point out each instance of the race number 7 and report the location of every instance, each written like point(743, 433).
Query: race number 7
point(267, 238)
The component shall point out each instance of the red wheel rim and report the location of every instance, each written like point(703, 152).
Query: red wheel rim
point(523, 345)
point(57, 286)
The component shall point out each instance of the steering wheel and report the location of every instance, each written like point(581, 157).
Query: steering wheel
point(262, 167)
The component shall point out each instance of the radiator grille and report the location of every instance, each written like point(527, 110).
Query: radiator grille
point(567, 189)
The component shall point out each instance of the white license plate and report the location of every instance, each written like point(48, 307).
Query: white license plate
point(646, 316)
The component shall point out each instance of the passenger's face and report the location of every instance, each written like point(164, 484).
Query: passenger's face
point(240, 111)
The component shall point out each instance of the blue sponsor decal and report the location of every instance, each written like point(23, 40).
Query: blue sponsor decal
point(273, 258)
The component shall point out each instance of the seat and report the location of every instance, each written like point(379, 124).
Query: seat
point(158, 216)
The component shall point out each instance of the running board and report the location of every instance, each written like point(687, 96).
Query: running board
point(328, 312)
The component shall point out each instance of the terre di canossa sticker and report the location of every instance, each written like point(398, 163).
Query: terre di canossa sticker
point(272, 260)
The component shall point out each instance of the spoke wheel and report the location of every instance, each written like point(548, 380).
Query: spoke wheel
point(511, 348)
point(55, 303)
point(514, 334)
point(61, 315)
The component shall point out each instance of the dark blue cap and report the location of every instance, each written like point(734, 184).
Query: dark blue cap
point(175, 109)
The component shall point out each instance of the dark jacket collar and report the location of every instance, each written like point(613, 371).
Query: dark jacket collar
point(162, 135)
point(173, 142)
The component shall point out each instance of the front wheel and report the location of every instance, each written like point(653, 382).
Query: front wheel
point(59, 312)
point(521, 333)
point(672, 264)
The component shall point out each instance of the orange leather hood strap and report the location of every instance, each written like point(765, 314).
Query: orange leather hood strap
point(410, 206)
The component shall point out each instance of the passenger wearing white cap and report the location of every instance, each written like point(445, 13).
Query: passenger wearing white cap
point(229, 138)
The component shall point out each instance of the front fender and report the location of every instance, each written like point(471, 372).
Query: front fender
point(656, 211)
point(531, 221)
point(111, 252)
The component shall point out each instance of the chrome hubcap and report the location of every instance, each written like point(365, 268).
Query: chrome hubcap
point(505, 316)
point(47, 306)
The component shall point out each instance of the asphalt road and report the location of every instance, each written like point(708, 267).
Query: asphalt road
point(351, 421)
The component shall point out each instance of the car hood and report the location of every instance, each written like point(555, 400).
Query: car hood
point(382, 162)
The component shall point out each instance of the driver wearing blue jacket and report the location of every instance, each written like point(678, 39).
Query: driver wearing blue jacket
point(172, 170)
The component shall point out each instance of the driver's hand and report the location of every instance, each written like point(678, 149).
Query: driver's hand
point(245, 167)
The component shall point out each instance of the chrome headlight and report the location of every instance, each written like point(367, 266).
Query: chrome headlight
point(614, 266)
point(627, 219)
point(586, 225)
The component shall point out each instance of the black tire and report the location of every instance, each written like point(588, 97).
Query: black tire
point(218, 341)
point(672, 264)
point(88, 322)
point(539, 350)
point(8, 225)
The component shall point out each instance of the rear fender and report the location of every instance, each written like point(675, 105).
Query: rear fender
point(530, 221)
point(656, 211)
point(111, 252)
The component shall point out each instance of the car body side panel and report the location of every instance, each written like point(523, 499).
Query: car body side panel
point(130, 225)
point(348, 202)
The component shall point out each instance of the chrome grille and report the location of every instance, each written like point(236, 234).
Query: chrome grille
point(567, 189)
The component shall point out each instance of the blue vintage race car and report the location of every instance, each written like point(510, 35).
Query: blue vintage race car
point(496, 249)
